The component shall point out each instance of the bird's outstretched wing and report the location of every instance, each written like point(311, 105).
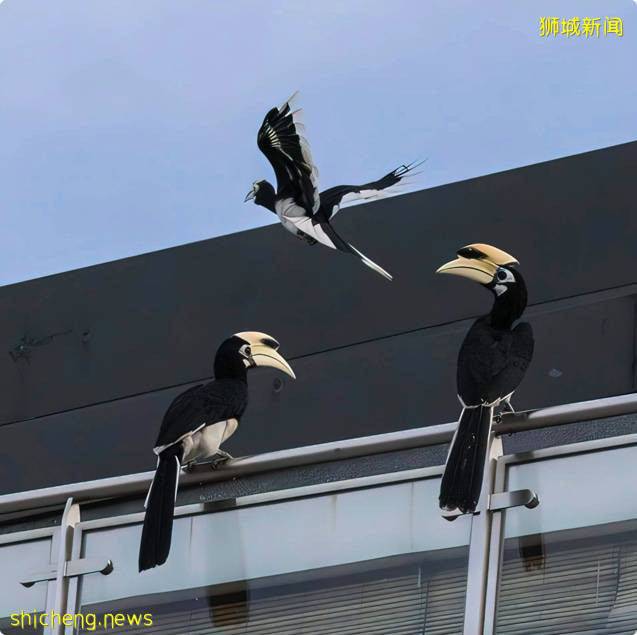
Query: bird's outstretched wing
point(324, 233)
point(336, 197)
point(200, 405)
point(281, 139)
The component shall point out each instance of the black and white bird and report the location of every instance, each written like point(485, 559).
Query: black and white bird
point(195, 425)
point(491, 364)
point(301, 208)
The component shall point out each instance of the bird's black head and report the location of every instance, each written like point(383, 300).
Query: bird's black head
point(511, 296)
point(262, 193)
point(493, 269)
point(247, 350)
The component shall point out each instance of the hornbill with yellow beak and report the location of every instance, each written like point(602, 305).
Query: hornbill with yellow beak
point(301, 208)
point(195, 425)
point(491, 364)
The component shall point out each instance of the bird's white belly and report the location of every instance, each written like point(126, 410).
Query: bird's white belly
point(297, 222)
point(205, 442)
point(287, 208)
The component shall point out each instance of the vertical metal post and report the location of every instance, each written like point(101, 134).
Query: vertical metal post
point(479, 545)
point(51, 585)
point(72, 604)
point(58, 589)
point(495, 554)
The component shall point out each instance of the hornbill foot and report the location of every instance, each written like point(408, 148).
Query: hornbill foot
point(304, 237)
point(507, 407)
point(219, 459)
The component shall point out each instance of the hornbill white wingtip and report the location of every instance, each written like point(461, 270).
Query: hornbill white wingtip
point(290, 100)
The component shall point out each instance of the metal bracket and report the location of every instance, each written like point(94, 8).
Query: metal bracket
point(504, 500)
point(72, 568)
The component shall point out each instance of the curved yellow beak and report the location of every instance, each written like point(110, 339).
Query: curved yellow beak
point(264, 356)
point(478, 262)
point(480, 271)
point(264, 351)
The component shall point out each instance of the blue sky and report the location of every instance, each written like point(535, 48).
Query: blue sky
point(128, 126)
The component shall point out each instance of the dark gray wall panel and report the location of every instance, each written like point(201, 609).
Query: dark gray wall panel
point(405, 381)
point(155, 320)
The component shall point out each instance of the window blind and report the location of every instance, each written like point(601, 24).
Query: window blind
point(412, 600)
point(587, 587)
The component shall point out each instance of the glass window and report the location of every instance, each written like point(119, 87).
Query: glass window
point(570, 582)
point(340, 560)
point(570, 565)
point(18, 561)
point(424, 594)
point(7, 629)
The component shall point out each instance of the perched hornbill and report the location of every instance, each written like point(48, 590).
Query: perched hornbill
point(301, 208)
point(196, 423)
point(491, 364)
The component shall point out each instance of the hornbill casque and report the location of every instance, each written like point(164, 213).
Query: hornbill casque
point(301, 208)
point(195, 425)
point(491, 364)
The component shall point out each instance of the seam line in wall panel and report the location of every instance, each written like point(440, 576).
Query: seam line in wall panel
point(599, 295)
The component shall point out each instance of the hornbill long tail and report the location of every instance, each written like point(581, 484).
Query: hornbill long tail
point(333, 239)
point(492, 362)
point(462, 479)
point(160, 507)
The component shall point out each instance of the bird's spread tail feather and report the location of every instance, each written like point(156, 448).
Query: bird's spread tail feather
point(160, 506)
point(328, 236)
point(462, 480)
point(371, 264)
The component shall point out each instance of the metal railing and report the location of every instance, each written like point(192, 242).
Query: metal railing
point(138, 483)
point(486, 535)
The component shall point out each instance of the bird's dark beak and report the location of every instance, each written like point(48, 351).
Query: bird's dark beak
point(481, 271)
point(251, 194)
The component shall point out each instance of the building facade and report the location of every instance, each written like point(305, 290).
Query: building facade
point(331, 523)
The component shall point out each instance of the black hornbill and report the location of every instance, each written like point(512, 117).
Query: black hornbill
point(491, 364)
point(195, 425)
point(301, 208)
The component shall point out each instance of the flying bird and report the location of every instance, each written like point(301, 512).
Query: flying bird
point(301, 208)
point(491, 364)
point(195, 425)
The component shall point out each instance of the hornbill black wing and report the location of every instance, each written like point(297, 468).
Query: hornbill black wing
point(333, 198)
point(203, 404)
point(492, 362)
point(519, 358)
point(281, 139)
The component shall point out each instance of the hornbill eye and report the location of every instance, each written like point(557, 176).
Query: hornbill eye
point(247, 351)
point(502, 275)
